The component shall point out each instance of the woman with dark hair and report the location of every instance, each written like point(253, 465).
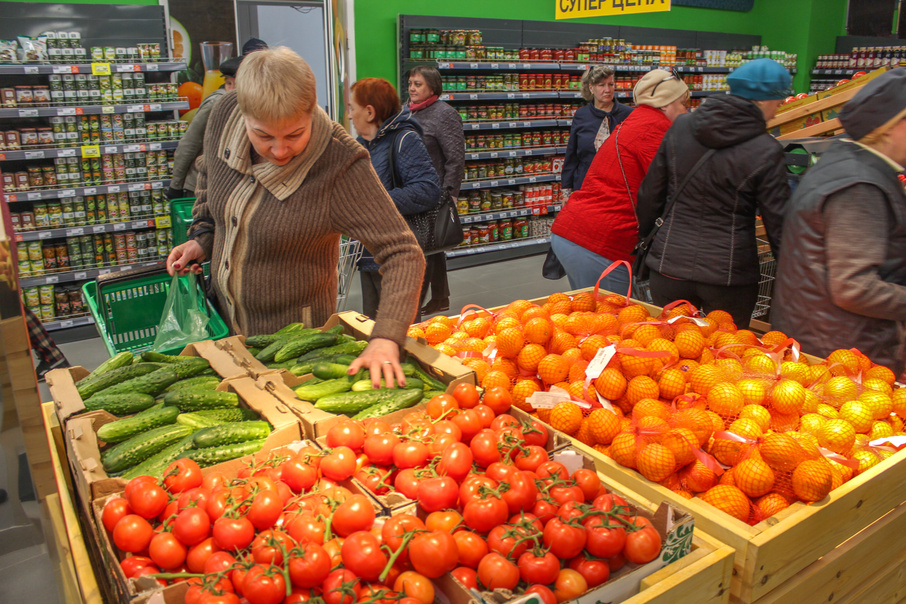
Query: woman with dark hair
point(386, 129)
point(443, 136)
point(592, 125)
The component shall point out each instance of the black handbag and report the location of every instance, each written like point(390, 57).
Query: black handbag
point(438, 229)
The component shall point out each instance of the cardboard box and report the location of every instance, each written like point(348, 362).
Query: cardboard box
point(84, 449)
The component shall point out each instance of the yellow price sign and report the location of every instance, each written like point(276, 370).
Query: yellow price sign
point(100, 69)
point(162, 222)
point(575, 9)
point(91, 151)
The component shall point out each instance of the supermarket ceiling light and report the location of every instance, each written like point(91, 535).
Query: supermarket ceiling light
point(575, 9)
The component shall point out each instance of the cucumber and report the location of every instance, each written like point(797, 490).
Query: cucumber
point(234, 414)
point(115, 362)
point(429, 394)
point(120, 404)
point(291, 328)
point(152, 383)
point(214, 455)
point(261, 341)
point(354, 348)
point(196, 421)
point(204, 382)
point(356, 402)
point(389, 401)
point(267, 353)
point(366, 385)
point(304, 344)
point(337, 329)
point(151, 356)
point(408, 369)
point(284, 365)
point(123, 429)
point(158, 463)
point(191, 399)
point(312, 392)
point(430, 381)
point(231, 433)
point(142, 446)
point(330, 371)
point(191, 367)
point(254, 351)
point(88, 388)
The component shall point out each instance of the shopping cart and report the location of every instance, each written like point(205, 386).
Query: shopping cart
point(350, 252)
point(767, 265)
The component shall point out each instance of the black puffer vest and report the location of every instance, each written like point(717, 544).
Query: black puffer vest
point(802, 305)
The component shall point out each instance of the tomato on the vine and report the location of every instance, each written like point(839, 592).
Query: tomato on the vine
point(182, 475)
point(544, 592)
point(149, 570)
point(218, 562)
point(148, 499)
point(471, 487)
point(131, 564)
point(341, 587)
point(379, 447)
point(496, 571)
point(447, 520)
point(505, 540)
point(264, 585)
point(415, 586)
point(498, 399)
point(570, 584)
point(438, 493)
point(522, 492)
point(448, 427)
point(298, 475)
point(166, 551)
point(484, 448)
point(595, 572)
point(199, 554)
point(375, 479)
point(132, 533)
point(354, 514)
point(535, 433)
point(564, 540)
point(530, 458)
point(535, 568)
point(433, 554)
point(361, 552)
point(466, 395)
point(347, 433)
point(339, 463)
point(485, 415)
point(604, 537)
point(588, 481)
point(410, 454)
point(192, 526)
point(305, 528)
point(308, 565)
point(467, 576)
point(269, 545)
point(642, 545)
point(233, 533)
point(442, 405)
point(114, 510)
point(394, 529)
point(472, 548)
point(484, 514)
point(469, 424)
point(265, 510)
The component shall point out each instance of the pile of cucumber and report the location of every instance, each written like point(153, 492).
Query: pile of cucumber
point(296, 348)
point(169, 409)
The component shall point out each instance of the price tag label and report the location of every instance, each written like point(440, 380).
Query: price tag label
point(28, 196)
point(140, 224)
point(114, 189)
point(119, 226)
point(125, 267)
point(66, 153)
point(66, 323)
point(74, 232)
point(131, 148)
point(528, 152)
point(547, 400)
point(512, 66)
point(90, 151)
point(124, 67)
point(444, 66)
point(67, 193)
point(150, 67)
point(475, 185)
point(473, 97)
point(473, 65)
point(495, 65)
point(90, 190)
point(100, 68)
point(511, 181)
point(107, 109)
point(28, 113)
point(31, 69)
point(155, 147)
point(493, 154)
point(98, 228)
point(137, 187)
point(599, 362)
point(66, 111)
point(34, 155)
point(154, 107)
point(135, 108)
point(475, 126)
point(495, 183)
point(532, 179)
point(495, 126)
point(528, 95)
point(44, 235)
point(111, 149)
point(80, 276)
point(63, 69)
point(53, 279)
point(536, 211)
point(162, 222)
point(526, 65)
point(104, 271)
point(510, 95)
point(512, 153)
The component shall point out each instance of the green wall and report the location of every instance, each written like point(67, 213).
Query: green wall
point(807, 27)
point(149, 2)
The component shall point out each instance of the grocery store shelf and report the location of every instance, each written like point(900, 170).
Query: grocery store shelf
point(94, 109)
point(502, 125)
point(504, 153)
point(67, 323)
point(508, 182)
point(52, 152)
point(86, 68)
point(87, 190)
point(90, 229)
point(84, 275)
point(553, 66)
point(496, 65)
point(536, 211)
point(497, 247)
point(840, 72)
point(497, 96)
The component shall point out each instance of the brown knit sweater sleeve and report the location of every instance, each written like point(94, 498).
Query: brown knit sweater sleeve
point(361, 208)
point(203, 227)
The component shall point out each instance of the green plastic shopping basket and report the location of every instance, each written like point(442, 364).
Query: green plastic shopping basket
point(127, 308)
point(181, 218)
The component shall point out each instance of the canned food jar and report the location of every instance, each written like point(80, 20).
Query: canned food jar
point(50, 259)
point(63, 307)
point(32, 297)
point(75, 301)
point(47, 313)
point(55, 214)
point(62, 253)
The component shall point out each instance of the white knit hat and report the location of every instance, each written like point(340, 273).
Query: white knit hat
point(658, 88)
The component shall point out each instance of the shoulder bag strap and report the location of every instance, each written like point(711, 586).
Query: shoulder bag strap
point(396, 145)
point(671, 199)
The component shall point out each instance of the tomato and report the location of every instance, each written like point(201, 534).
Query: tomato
point(471, 547)
point(500, 471)
point(471, 487)
point(544, 510)
point(442, 406)
point(498, 399)
point(535, 433)
point(541, 569)
point(588, 481)
point(485, 415)
point(265, 510)
point(198, 555)
point(298, 475)
point(354, 514)
point(362, 555)
point(466, 395)
point(218, 502)
point(379, 447)
point(496, 571)
point(194, 497)
point(439, 443)
point(569, 510)
point(218, 562)
point(616, 562)
point(148, 499)
point(484, 514)
point(643, 545)
point(467, 576)
point(527, 517)
point(298, 596)
point(339, 463)
point(406, 482)
point(375, 479)
point(341, 587)
point(469, 424)
point(410, 454)
point(268, 547)
point(563, 495)
point(564, 540)
point(192, 526)
point(149, 570)
point(136, 483)
point(522, 492)
point(417, 425)
point(604, 538)
point(305, 528)
point(182, 475)
point(334, 550)
point(375, 593)
point(484, 448)
point(610, 502)
point(346, 433)
point(166, 551)
point(438, 493)
point(446, 426)
point(569, 585)
point(218, 598)
point(233, 533)
point(433, 554)
point(503, 540)
point(133, 563)
point(595, 572)
point(415, 586)
point(132, 533)
point(553, 469)
point(265, 587)
point(394, 529)
point(443, 521)
point(375, 425)
point(309, 565)
point(530, 458)
point(544, 592)
point(114, 510)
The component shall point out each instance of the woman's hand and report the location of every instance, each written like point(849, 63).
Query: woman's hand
point(182, 256)
point(382, 358)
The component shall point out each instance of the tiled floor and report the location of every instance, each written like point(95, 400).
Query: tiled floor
point(26, 572)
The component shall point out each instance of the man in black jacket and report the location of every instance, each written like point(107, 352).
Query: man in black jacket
point(841, 282)
point(706, 251)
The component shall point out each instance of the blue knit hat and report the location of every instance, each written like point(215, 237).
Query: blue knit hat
point(761, 80)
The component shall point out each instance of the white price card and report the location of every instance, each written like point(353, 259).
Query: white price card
point(74, 232)
point(53, 279)
point(66, 111)
point(31, 69)
point(67, 193)
point(113, 189)
point(119, 227)
point(66, 153)
point(44, 235)
point(571, 460)
point(98, 228)
point(34, 155)
point(28, 113)
point(80, 276)
point(62, 68)
point(90, 190)
point(548, 400)
point(67, 323)
point(599, 362)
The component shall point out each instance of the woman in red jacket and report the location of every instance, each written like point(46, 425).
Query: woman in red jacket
point(598, 225)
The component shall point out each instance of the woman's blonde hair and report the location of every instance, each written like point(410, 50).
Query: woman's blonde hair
point(275, 85)
point(592, 76)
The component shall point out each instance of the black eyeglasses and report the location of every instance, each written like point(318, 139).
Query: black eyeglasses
point(673, 76)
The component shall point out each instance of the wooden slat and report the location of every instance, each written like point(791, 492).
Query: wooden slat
point(702, 577)
point(818, 129)
point(58, 548)
point(825, 103)
point(887, 585)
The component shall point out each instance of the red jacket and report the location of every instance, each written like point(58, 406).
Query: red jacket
point(600, 216)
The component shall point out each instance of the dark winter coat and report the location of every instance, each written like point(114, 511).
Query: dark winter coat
point(420, 190)
point(446, 144)
point(580, 150)
point(709, 235)
point(868, 310)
